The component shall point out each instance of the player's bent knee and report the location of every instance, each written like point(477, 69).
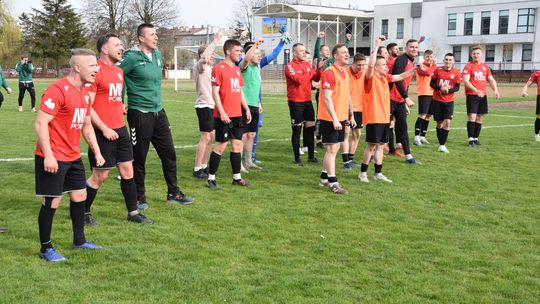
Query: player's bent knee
point(78, 196)
point(126, 170)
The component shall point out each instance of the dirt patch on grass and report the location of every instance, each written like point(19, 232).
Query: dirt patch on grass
point(514, 105)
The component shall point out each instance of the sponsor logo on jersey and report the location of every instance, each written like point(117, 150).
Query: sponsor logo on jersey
point(235, 85)
point(444, 83)
point(479, 76)
point(49, 104)
point(78, 118)
point(115, 92)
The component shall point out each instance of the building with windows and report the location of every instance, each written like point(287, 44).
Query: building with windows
point(507, 30)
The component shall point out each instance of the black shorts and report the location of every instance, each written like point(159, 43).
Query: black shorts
point(424, 105)
point(301, 111)
point(69, 177)
point(377, 133)
point(442, 110)
point(331, 135)
point(206, 119)
point(253, 125)
point(537, 104)
point(232, 130)
point(477, 105)
point(358, 119)
point(114, 152)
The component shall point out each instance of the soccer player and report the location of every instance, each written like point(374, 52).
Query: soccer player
point(5, 85)
point(299, 74)
point(107, 114)
point(204, 106)
point(393, 53)
point(142, 66)
point(376, 111)
point(251, 75)
point(356, 72)
point(63, 115)
point(227, 85)
point(334, 113)
point(445, 81)
point(425, 94)
point(535, 77)
point(476, 75)
point(24, 68)
point(400, 101)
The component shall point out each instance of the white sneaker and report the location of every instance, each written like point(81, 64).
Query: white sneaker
point(381, 177)
point(417, 141)
point(363, 177)
point(251, 165)
point(537, 137)
point(443, 149)
point(424, 141)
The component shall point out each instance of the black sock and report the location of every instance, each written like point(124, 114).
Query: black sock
point(76, 211)
point(537, 126)
point(309, 140)
point(129, 190)
point(236, 162)
point(470, 128)
point(418, 126)
point(295, 140)
point(345, 157)
point(351, 157)
point(444, 136)
point(378, 168)
point(214, 163)
point(391, 145)
point(363, 167)
point(332, 179)
point(90, 196)
point(477, 129)
point(45, 220)
point(324, 175)
point(439, 136)
point(425, 126)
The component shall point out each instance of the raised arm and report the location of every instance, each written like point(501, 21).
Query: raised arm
point(373, 57)
point(250, 53)
point(208, 52)
point(270, 57)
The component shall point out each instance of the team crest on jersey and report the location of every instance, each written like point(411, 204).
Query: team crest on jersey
point(66, 88)
point(326, 84)
point(120, 77)
point(451, 76)
point(484, 68)
point(49, 103)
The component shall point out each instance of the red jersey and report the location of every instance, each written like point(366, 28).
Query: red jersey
point(357, 89)
point(340, 83)
point(108, 101)
point(390, 63)
point(445, 78)
point(69, 106)
point(376, 105)
point(535, 77)
point(402, 64)
point(229, 80)
point(299, 75)
point(479, 73)
point(423, 79)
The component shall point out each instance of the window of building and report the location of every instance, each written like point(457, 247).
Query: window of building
point(526, 54)
point(468, 24)
point(508, 52)
point(365, 30)
point(457, 52)
point(452, 24)
point(400, 28)
point(503, 22)
point(490, 53)
point(384, 27)
point(485, 22)
point(526, 20)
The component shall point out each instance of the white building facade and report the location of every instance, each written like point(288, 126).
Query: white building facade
point(508, 31)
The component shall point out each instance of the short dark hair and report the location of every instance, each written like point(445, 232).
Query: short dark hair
point(201, 50)
point(359, 57)
point(248, 45)
point(411, 41)
point(378, 58)
point(428, 52)
point(449, 54)
point(320, 48)
point(380, 49)
point(103, 40)
point(296, 45)
point(391, 45)
point(337, 47)
point(140, 28)
point(229, 44)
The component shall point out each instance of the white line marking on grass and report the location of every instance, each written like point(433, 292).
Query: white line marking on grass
point(502, 115)
point(15, 159)
point(261, 141)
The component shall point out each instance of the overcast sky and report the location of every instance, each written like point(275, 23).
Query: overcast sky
point(199, 12)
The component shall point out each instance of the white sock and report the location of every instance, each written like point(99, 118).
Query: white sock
point(471, 138)
point(408, 156)
point(203, 166)
point(237, 176)
point(212, 177)
point(197, 169)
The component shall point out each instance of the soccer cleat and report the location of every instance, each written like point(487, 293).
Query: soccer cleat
point(298, 162)
point(537, 137)
point(424, 141)
point(335, 188)
point(251, 166)
point(477, 142)
point(139, 218)
point(363, 177)
point(472, 144)
point(412, 160)
point(443, 149)
point(89, 220)
point(396, 153)
point(355, 164)
point(381, 177)
point(206, 170)
point(347, 166)
point(142, 205)
point(87, 245)
point(324, 184)
point(51, 255)
point(200, 174)
point(212, 184)
point(179, 198)
point(313, 160)
point(417, 141)
point(241, 182)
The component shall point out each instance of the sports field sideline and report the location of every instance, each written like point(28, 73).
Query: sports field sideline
point(461, 228)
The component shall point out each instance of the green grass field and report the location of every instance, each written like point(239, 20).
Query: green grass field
point(461, 228)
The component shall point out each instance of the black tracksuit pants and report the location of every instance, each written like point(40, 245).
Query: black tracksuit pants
point(27, 86)
point(399, 111)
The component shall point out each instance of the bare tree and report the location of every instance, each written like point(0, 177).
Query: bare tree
point(161, 13)
point(106, 15)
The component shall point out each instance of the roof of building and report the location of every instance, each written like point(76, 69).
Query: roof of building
point(312, 12)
